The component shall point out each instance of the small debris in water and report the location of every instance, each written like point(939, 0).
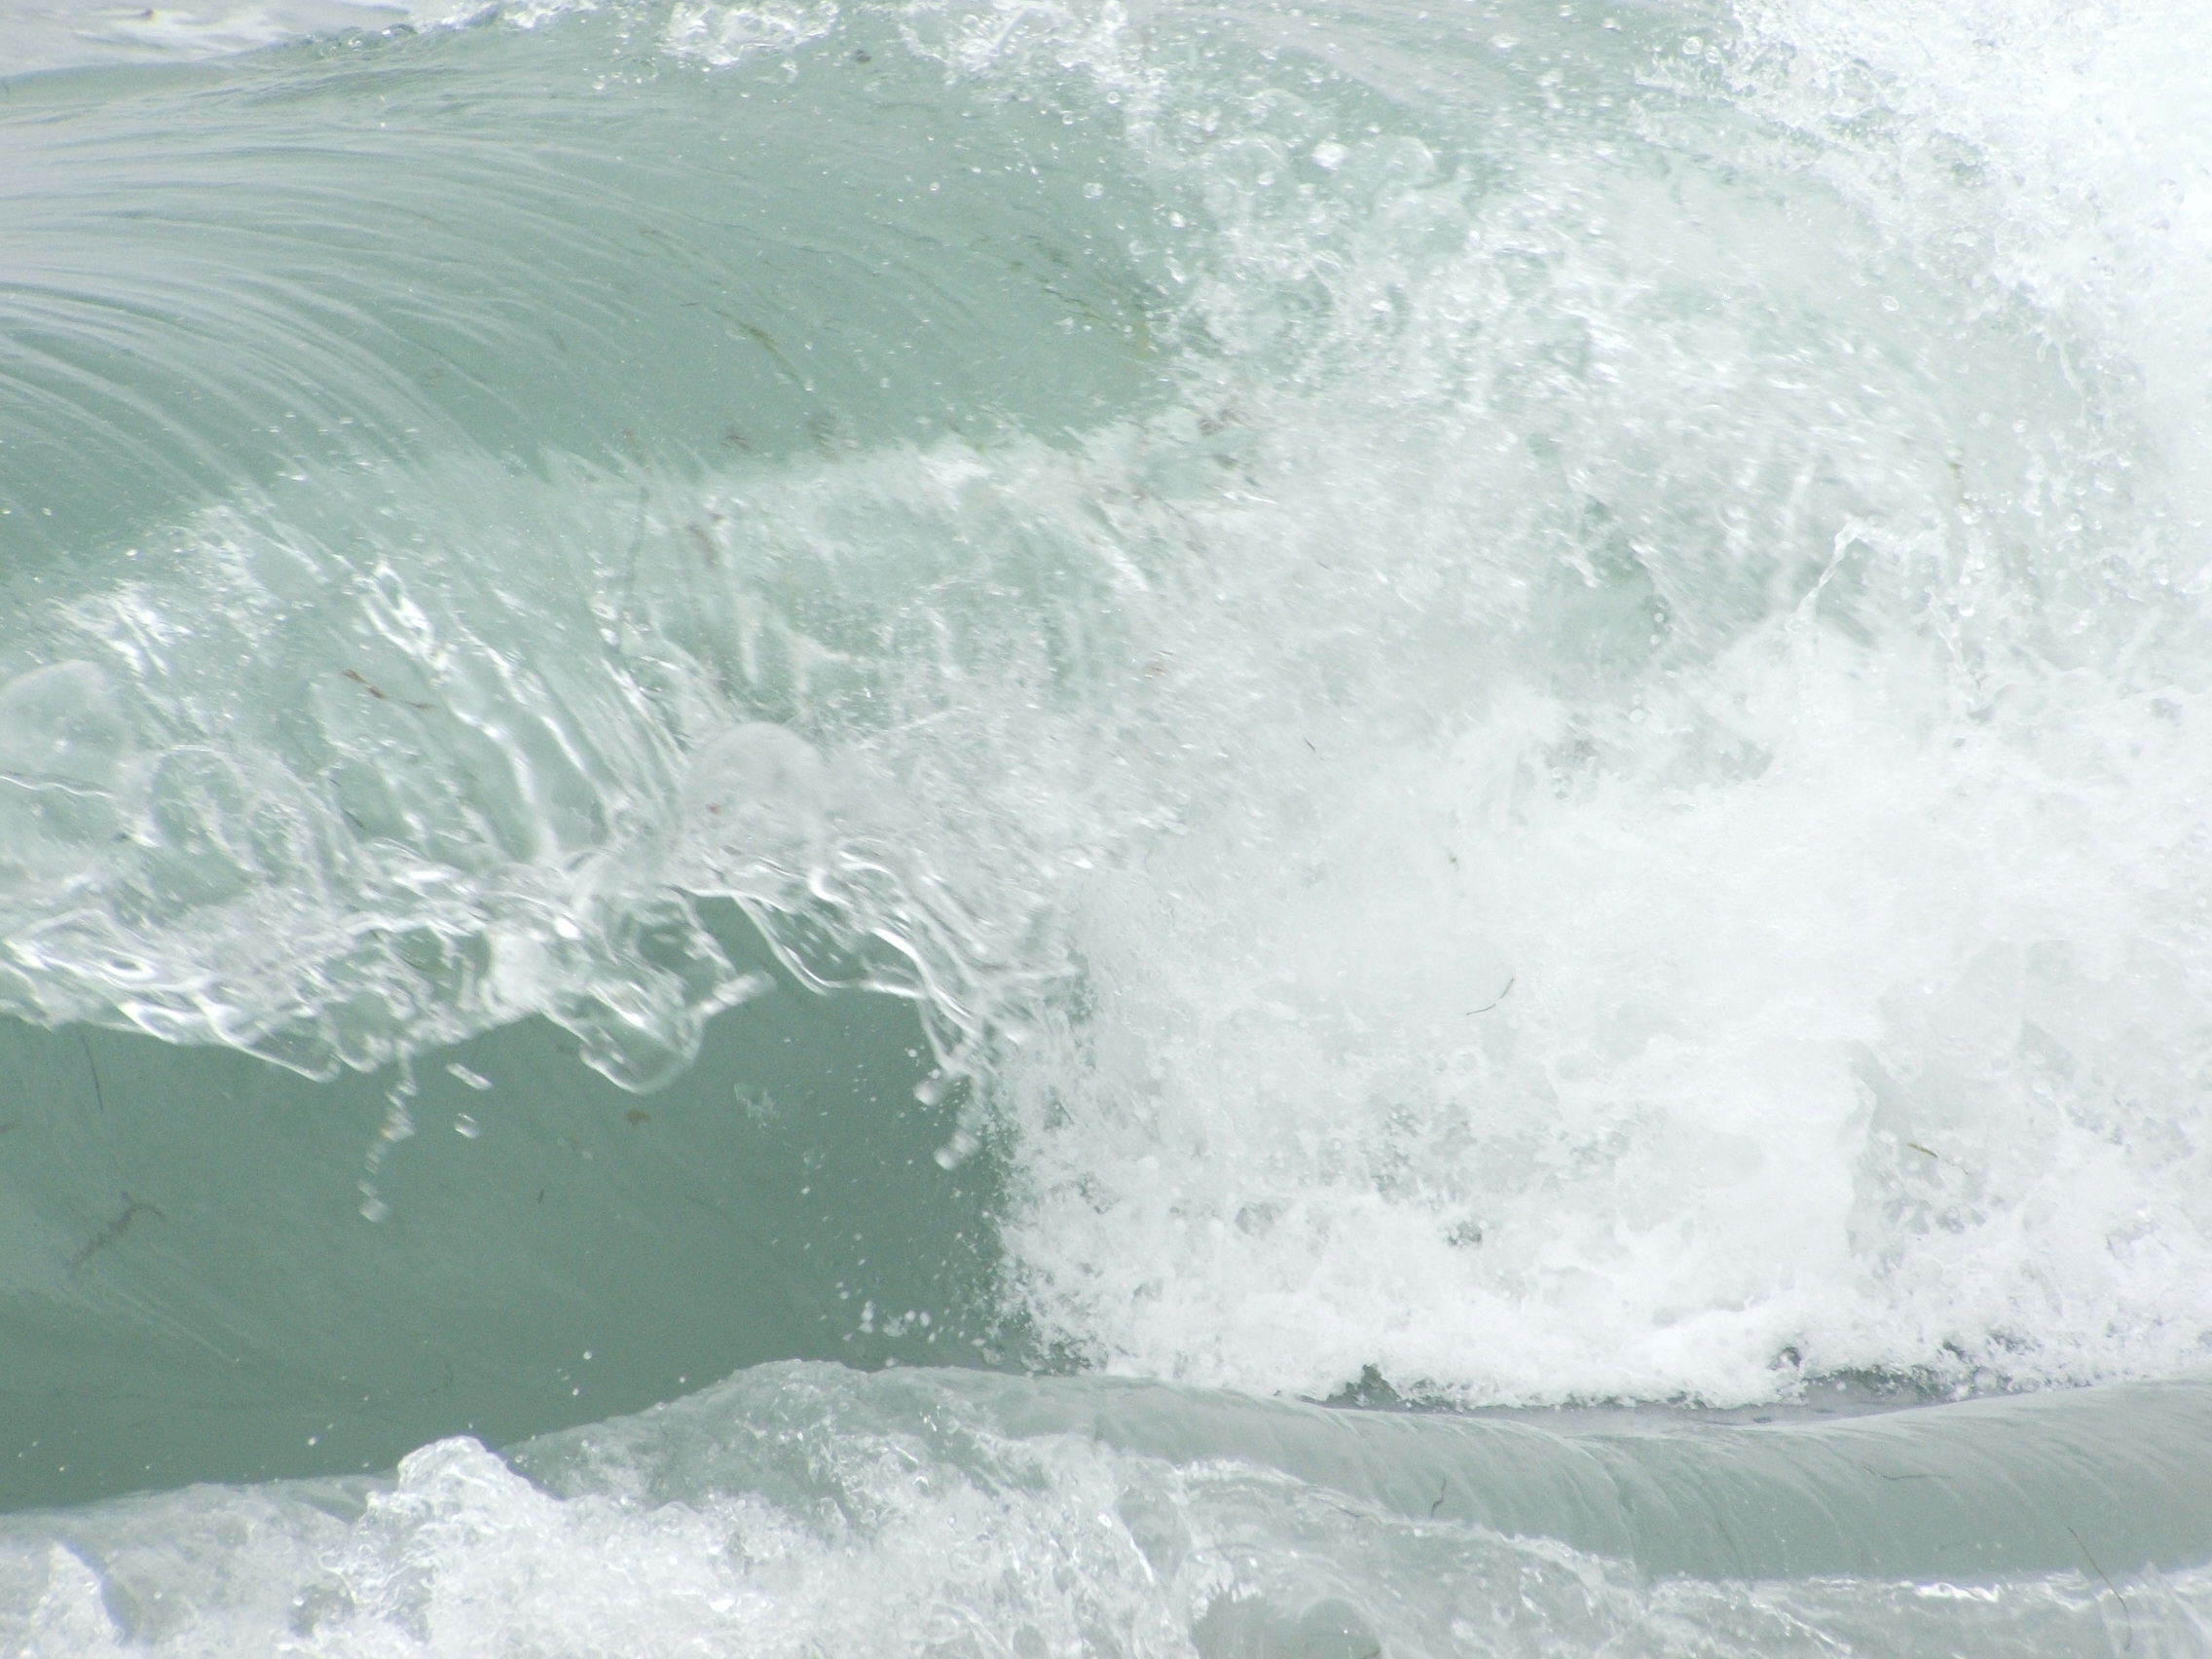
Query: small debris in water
point(1494, 1000)
point(133, 1209)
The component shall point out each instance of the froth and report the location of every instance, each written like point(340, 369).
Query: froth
point(807, 1511)
point(70, 34)
point(1702, 899)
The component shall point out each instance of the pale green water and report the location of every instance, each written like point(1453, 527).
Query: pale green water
point(195, 1296)
point(969, 749)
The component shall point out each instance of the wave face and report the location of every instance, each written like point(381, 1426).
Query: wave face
point(1505, 707)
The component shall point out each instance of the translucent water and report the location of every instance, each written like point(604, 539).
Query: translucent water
point(1502, 706)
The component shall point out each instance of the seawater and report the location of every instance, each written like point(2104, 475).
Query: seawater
point(1230, 830)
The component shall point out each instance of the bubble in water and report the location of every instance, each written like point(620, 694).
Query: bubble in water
point(61, 725)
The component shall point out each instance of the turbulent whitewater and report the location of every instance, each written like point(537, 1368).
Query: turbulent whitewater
point(1179, 709)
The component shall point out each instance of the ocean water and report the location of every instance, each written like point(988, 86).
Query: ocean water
point(1101, 826)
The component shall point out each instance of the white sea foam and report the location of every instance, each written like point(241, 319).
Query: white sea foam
point(810, 1512)
point(722, 36)
point(76, 34)
point(1779, 954)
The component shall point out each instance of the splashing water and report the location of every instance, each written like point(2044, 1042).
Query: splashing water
point(1517, 692)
